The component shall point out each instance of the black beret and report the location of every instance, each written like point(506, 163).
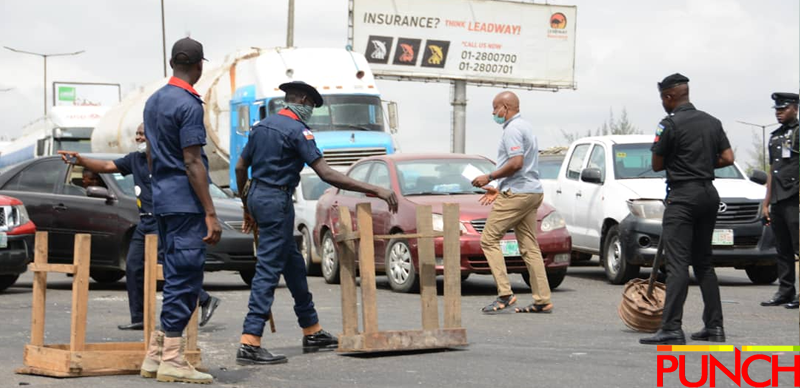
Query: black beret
point(304, 87)
point(672, 81)
point(782, 100)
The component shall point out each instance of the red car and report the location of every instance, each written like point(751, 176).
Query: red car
point(431, 179)
point(16, 240)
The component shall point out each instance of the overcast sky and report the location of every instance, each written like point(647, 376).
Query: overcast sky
point(736, 52)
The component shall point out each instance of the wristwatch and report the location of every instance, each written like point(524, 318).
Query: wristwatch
point(490, 177)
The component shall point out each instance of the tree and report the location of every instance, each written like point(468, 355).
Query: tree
point(756, 153)
point(612, 126)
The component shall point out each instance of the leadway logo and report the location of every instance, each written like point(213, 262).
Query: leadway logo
point(710, 365)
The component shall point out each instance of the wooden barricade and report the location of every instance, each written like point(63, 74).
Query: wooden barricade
point(432, 336)
point(78, 358)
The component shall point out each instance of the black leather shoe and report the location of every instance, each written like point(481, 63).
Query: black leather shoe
point(319, 341)
point(793, 304)
point(711, 334)
point(207, 310)
point(132, 326)
point(776, 300)
point(256, 355)
point(665, 337)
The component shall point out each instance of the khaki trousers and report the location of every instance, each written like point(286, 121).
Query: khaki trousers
point(518, 212)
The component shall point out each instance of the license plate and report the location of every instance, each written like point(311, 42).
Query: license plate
point(3, 240)
point(722, 237)
point(509, 247)
point(562, 258)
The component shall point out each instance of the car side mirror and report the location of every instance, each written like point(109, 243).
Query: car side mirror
point(99, 192)
point(759, 177)
point(592, 175)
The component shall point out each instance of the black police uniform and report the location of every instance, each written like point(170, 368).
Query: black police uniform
point(690, 142)
point(784, 168)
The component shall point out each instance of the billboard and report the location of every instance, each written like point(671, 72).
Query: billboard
point(481, 41)
point(85, 94)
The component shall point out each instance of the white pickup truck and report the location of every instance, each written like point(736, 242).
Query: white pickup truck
point(612, 202)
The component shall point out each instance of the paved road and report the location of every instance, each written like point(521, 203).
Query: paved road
point(582, 344)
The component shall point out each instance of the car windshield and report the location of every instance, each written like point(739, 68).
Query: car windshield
point(313, 186)
point(548, 168)
point(343, 113)
point(634, 161)
point(440, 177)
point(126, 185)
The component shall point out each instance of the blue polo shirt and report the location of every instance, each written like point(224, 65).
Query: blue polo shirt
point(519, 140)
point(173, 120)
point(136, 163)
point(277, 149)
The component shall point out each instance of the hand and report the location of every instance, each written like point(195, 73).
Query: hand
point(70, 157)
point(249, 223)
point(490, 196)
point(390, 198)
point(481, 181)
point(765, 213)
point(214, 230)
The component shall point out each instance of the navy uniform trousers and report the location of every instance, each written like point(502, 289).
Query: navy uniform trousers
point(784, 215)
point(688, 228)
point(181, 236)
point(277, 254)
point(134, 268)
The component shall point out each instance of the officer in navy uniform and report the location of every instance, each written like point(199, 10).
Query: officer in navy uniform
point(135, 163)
point(689, 145)
point(780, 205)
point(277, 149)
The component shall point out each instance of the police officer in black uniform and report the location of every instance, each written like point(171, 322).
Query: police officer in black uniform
point(780, 205)
point(689, 145)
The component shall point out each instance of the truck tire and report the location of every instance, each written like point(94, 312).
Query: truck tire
point(330, 259)
point(762, 274)
point(400, 267)
point(618, 271)
point(306, 250)
point(7, 281)
point(554, 278)
point(106, 276)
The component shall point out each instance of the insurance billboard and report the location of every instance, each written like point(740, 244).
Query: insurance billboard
point(85, 94)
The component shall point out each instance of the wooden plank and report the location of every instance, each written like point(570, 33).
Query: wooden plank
point(347, 275)
point(121, 361)
point(395, 341)
point(408, 236)
point(91, 369)
point(39, 290)
point(46, 358)
point(160, 273)
point(191, 330)
point(366, 265)
point(452, 267)
point(349, 236)
point(427, 269)
point(80, 291)
point(60, 268)
point(150, 276)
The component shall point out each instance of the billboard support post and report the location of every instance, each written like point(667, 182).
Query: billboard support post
point(459, 103)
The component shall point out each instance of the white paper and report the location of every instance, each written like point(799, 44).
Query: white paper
point(471, 172)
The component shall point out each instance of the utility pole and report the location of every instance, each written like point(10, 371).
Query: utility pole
point(163, 40)
point(44, 56)
point(459, 103)
point(290, 25)
point(763, 140)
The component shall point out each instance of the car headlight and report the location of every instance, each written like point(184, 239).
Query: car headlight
point(438, 224)
point(17, 216)
point(651, 209)
point(553, 221)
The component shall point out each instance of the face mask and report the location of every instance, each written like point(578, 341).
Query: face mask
point(303, 112)
point(499, 119)
point(141, 147)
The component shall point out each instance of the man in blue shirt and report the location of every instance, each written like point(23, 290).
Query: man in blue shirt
point(277, 149)
point(135, 163)
point(184, 212)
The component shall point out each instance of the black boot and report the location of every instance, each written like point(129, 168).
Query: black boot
point(711, 334)
point(793, 304)
point(777, 300)
point(318, 341)
point(207, 310)
point(256, 355)
point(665, 337)
point(132, 326)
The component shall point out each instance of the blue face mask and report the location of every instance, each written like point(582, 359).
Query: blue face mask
point(499, 119)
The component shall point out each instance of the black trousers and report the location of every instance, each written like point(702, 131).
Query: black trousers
point(785, 225)
point(688, 227)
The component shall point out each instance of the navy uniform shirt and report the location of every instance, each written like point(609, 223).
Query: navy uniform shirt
point(136, 163)
point(690, 142)
point(173, 120)
point(783, 160)
point(277, 149)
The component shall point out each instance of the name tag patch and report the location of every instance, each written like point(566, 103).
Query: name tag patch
point(308, 134)
point(515, 148)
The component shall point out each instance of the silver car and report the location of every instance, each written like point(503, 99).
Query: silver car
point(305, 197)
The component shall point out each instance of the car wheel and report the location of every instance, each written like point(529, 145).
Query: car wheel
point(554, 278)
point(106, 276)
point(7, 281)
point(330, 259)
point(465, 276)
point(306, 249)
point(247, 276)
point(618, 271)
point(765, 274)
point(400, 267)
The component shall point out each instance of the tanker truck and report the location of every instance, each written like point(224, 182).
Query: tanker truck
point(243, 89)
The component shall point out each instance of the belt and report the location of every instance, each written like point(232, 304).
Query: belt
point(256, 183)
point(145, 215)
point(691, 182)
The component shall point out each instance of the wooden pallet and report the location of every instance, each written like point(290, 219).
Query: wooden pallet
point(78, 358)
point(431, 336)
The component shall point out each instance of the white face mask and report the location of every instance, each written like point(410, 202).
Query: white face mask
point(142, 147)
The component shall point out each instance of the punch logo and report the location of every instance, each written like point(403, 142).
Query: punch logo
point(407, 51)
point(378, 49)
point(435, 54)
point(558, 21)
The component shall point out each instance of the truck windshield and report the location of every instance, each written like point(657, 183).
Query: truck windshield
point(440, 176)
point(343, 113)
point(77, 145)
point(633, 161)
